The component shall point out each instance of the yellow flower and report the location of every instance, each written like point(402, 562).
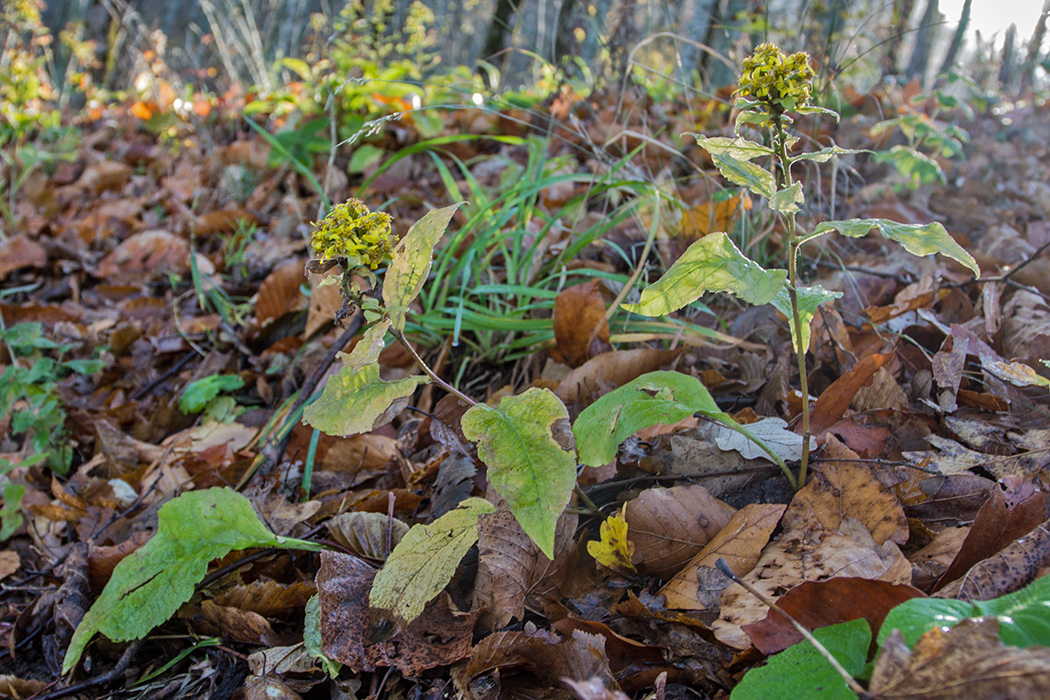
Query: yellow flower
point(353, 232)
point(780, 82)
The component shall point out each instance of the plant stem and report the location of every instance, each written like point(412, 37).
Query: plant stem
point(779, 141)
point(430, 373)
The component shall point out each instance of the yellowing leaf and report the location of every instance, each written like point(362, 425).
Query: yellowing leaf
point(712, 264)
point(425, 560)
point(150, 584)
point(917, 239)
point(412, 258)
point(613, 550)
point(809, 300)
point(527, 445)
point(358, 401)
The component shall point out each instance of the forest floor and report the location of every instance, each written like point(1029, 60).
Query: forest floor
point(159, 326)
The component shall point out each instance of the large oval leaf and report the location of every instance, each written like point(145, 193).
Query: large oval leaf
point(150, 584)
point(527, 445)
point(917, 239)
point(654, 398)
point(425, 560)
point(711, 264)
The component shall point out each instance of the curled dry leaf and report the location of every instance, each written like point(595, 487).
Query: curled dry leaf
point(668, 527)
point(699, 585)
point(998, 523)
point(368, 535)
point(966, 661)
point(1008, 571)
point(20, 252)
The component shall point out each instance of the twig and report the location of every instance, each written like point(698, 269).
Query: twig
point(170, 372)
point(722, 566)
point(305, 393)
point(105, 679)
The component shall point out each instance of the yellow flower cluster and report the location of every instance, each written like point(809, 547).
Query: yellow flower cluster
point(352, 231)
point(783, 83)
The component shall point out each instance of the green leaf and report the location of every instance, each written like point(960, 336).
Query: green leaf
point(917, 239)
point(412, 258)
point(711, 264)
point(312, 637)
point(11, 514)
point(789, 200)
point(150, 584)
point(740, 172)
point(1024, 616)
point(651, 399)
point(917, 168)
point(809, 300)
point(813, 109)
point(801, 672)
point(738, 148)
point(826, 154)
point(201, 392)
point(731, 157)
point(425, 560)
point(365, 156)
point(85, 367)
point(527, 445)
point(358, 401)
point(368, 348)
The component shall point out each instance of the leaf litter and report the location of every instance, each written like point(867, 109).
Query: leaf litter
point(930, 410)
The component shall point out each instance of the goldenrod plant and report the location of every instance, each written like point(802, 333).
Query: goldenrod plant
point(774, 89)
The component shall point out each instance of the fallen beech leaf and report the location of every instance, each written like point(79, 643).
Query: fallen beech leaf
point(817, 604)
point(842, 490)
point(965, 661)
point(511, 568)
point(19, 252)
point(268, 687)
point(669, 526)
point(805, 555)
point(279, 292)
point(578, 311)
point(699, 585)
point(614, 549)
point(151, 252)
point(367, 534)
point(1005, 572)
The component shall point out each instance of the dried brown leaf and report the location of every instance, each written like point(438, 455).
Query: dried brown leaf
point(699, 585)
point(668, 527)
point(579, 312)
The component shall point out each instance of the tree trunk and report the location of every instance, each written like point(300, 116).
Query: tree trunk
point(496, 39)
point(1032, 59)
point(1008, 65)
point(901, 12)
point(958, 38)
point(920, 57)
